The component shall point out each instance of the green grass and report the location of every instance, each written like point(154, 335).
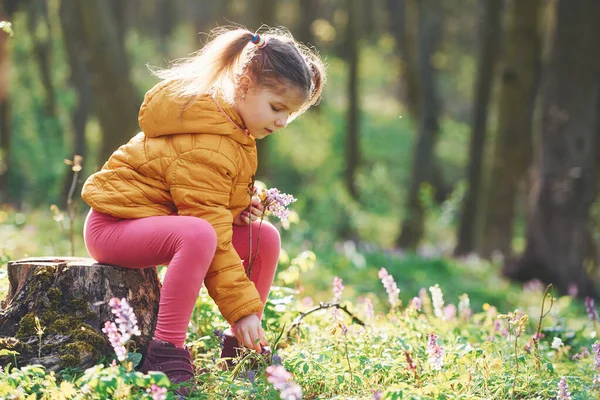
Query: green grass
point(332, 358)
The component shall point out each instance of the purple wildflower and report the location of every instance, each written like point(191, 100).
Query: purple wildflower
point(596, 351)
point(251, 376)
point(276, 202)
point(416, 303)
point(590, 309)
point(308, 301)
point(338, 288)
point(464, 307)
point(282, 381)
point(573, 290)
point(127, 327)
point(583, 354)
point(157, 392)
point(276, 359)
point(126, 319)
point(449, 312)
point(115, 339)
point(219, 334)
point(563, 390)
point(390, 287)
point(377, 395)
point(435, 352)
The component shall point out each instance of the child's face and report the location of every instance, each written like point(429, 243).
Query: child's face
point(265, 110)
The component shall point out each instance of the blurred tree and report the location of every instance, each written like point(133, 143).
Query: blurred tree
point(490, 38)
point(403, 21)
point(6, 12)
point(403, 24)
point(205, 14)
point(115, 100)
point(41, 35)
point(514, 141)
point(78, 59)
point(429, 24)
point(559, 220)
point(353, 113)
point(309, 12)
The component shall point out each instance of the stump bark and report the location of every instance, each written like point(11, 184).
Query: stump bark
point(69, 296)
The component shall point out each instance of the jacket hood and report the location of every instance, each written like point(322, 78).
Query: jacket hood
point(162, 114)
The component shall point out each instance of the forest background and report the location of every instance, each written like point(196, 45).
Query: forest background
point(447, 128)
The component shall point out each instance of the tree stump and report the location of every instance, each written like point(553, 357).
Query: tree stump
point(70, 298)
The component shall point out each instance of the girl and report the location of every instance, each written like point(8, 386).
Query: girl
point(177, 193)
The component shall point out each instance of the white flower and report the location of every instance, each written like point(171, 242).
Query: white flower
point(557, 343)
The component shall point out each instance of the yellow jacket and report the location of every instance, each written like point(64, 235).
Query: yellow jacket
point(194, 161)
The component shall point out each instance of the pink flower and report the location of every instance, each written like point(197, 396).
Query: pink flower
point(157, 392)
point(563, 390)
point(282, 381)
point(416, 303)
point(590, 309)
point(390, 287)
point(338, 288)
point(276, 202)
point(125, 318)
point(115, 339)
point(435, 352)
point(127, 321)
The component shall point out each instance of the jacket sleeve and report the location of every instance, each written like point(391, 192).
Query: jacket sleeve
point(200, 187)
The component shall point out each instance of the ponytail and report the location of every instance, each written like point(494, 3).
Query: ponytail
point(273, 58)
point(211, 69)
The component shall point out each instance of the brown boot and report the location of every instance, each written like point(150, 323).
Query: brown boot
point(173, 361)
point(231, 351)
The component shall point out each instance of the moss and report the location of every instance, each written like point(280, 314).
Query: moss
point(65, 325)
point(80, 308)
point(26, 326)
point(73, 353)
point(89, 335)
point(44, 275)
point(55, 296)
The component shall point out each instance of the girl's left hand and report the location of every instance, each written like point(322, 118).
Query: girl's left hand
point(256, 211)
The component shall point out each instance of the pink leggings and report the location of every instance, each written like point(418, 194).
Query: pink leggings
point(187, 245)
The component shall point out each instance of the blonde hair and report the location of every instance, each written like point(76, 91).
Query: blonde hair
point(215, 68)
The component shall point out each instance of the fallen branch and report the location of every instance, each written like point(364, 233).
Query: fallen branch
point(323, 306)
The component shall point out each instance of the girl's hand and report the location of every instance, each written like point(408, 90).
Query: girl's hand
point(249, 332)
point(256, 211)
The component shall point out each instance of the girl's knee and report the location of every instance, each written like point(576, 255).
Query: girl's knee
point(196, 230)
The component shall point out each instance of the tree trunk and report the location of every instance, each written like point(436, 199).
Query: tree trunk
point(403, 21)
point(80, 79)
point(353, 112)
point(70, 298)
point(5, 130)
point(514, 140)
point(430, 21)
point(38, 22)
point(491, 34)
point(309, 10)
point(565, 187)
point(6, 11)
point(116, 100)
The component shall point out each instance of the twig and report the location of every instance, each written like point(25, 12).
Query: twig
point(536, 339)
point(323, 306)
point(76, 163)
point(345, 332)
point(252, 260)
